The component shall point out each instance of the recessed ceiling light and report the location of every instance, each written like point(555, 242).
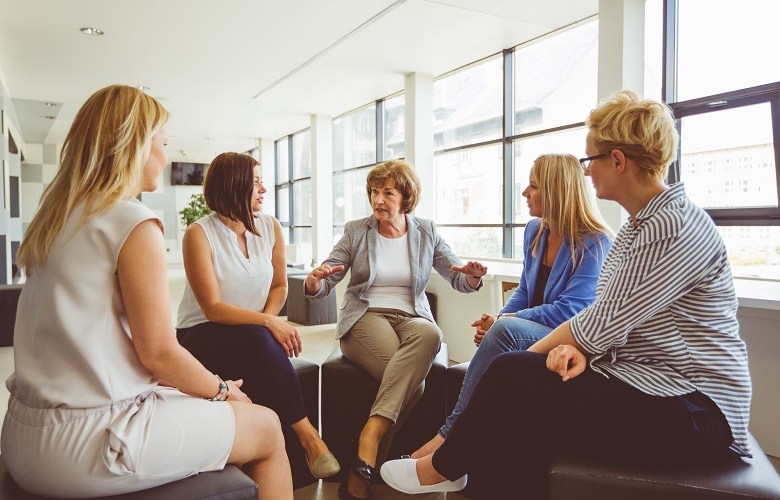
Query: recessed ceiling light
point(211, 138)
point(91, 31)
point(143, 88)
point(49, 104)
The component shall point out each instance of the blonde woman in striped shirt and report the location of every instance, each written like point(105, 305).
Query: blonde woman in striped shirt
point(654, 367)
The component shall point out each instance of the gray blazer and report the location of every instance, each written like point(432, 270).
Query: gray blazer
point(357, 251)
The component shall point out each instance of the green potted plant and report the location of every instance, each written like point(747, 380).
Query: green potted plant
point(195, 209)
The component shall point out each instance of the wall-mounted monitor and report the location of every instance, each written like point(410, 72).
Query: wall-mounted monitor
point(187, 174)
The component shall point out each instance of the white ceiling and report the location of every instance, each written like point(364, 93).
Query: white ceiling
point(206, 60)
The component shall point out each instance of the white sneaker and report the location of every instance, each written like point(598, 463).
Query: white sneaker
point(401, 475)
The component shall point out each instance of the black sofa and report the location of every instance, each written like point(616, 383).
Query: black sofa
point(225, 485)
point(586, 478)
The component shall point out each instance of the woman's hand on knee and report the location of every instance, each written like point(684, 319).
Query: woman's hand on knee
point(234, 393)
point(287, 336)
point(482, 325)
point(567, 361)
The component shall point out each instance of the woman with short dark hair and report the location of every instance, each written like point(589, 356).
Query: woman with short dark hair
point(236, 286)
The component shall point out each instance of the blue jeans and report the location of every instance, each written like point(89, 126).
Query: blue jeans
point(505, 335)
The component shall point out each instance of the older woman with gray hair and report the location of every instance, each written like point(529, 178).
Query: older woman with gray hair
point(386, 326)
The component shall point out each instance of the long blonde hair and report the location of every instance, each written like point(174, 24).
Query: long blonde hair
point(569, 208)
point(101, 162)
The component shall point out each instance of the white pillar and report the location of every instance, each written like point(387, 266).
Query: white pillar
point(418, 135)
point(322, 186)
point(621, 65)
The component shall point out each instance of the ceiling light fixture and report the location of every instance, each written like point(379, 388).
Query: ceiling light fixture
point(91, 31)
point(143, 88)
point(50, 104)
point(50, 117)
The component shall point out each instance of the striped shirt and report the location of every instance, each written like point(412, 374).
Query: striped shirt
point(665, 316)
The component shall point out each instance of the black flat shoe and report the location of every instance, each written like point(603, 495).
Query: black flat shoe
point(365, 472)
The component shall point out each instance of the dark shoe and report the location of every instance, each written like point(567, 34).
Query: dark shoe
point(364, 472)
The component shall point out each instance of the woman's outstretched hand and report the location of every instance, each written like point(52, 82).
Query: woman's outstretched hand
point(567, 361)
point(474, 272)
point(473, 269)
point(314, 278)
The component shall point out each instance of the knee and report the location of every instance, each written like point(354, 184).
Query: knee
point(429, 336)
point(498, 335)
point(267, 424)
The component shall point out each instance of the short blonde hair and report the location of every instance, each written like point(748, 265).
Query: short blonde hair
point(102, 160)
point(569, 208)
point(643, 129)
point(406, 181)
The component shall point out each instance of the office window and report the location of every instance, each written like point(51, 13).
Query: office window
point(394, 127)
point(725, 95)
point(354, 138)
point(482, 158)
point(302, 155)
point(293, 186)
point(362, 139)
point(467, 105)
point(467, 195)
point(555, 79)
point(722, 46)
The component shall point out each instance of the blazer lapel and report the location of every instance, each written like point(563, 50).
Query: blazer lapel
point(372, 241)
point(414, 251)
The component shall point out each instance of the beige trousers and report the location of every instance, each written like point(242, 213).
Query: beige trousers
point(397, 350)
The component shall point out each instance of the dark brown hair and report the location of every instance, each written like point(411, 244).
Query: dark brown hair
point(228, 187)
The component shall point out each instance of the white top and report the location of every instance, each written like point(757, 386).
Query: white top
point(72, 347)
point(243, 282)
point(392, 285)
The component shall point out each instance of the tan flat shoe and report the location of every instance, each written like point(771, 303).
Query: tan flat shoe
point(325, 465)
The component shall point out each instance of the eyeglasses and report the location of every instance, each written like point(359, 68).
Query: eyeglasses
point(585, 162)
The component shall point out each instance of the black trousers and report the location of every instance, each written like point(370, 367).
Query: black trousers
point(249, 352)
point(521, 414)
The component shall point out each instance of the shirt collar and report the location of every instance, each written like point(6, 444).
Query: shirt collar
point(659, 201)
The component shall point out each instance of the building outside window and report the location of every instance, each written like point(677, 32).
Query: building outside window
point(725, 93)
point(480, 148)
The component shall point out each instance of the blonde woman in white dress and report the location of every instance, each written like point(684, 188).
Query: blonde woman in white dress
point(93, 410)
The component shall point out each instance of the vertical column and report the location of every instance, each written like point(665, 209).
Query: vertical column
point(322, 186)
point(418, 136)
point(621, 65)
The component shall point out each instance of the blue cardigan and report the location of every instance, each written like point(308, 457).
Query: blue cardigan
point(568, 291)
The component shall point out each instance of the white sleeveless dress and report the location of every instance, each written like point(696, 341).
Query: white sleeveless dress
point(85, 418)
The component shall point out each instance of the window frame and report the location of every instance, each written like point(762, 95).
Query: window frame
point(767, 93)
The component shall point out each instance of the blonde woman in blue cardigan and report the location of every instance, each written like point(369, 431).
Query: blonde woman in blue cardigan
point(564, 248)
